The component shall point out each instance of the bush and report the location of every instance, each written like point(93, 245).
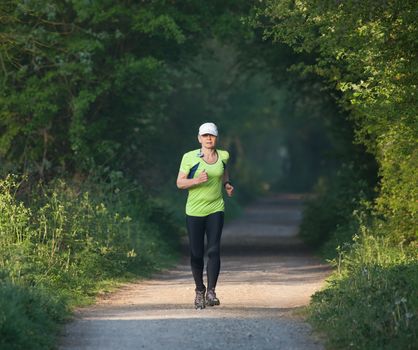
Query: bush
point(29, 317)
point(370, 303)
point(59, 242)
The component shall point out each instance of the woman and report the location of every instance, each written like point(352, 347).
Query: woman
point(203, 172)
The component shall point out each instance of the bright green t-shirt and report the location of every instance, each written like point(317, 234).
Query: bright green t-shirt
point(205, 198)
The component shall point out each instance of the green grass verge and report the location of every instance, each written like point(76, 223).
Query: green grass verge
point(30, 317)
point(371, 301)
point(63, 244)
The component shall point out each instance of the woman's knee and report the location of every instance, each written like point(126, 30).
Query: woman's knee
point(214, 252)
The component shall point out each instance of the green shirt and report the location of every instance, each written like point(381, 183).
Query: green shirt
point(205, 198)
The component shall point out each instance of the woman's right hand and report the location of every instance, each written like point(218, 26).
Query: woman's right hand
point(203, 177)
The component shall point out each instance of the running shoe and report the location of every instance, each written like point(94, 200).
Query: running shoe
point(199, 301)
point(211, 298)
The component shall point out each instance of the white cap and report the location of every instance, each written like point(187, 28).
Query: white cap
point(208, 128)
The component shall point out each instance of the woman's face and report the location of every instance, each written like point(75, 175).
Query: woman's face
point(207, 141)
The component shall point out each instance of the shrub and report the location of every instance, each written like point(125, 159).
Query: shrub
point(371, 302)
point(29, 317)
point(58, 242)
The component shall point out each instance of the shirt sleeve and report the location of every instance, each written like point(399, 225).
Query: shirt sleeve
point(225, 156)
point(185, 164)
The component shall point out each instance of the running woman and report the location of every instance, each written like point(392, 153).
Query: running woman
point(203, 172)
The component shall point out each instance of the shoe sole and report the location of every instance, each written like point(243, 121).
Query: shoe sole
point(212, 303)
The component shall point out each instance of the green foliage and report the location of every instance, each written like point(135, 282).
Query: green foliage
point(367, 52)
point(328, 216)
point(274, 130)
point(373, 295)
point(123, 86)
point(83, 82)
point(63, 241)
point(101, 84)
point(29, 317)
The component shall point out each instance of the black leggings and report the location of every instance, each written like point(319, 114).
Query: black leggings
point(196, 227)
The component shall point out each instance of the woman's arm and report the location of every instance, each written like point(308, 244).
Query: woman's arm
point(227, 185)
point(184, 183)
point(225, 177)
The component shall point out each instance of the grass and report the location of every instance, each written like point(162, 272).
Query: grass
point(63, 244)
point(371, 300)
point(29, 317)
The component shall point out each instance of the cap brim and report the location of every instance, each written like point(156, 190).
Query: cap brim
point(208, 133)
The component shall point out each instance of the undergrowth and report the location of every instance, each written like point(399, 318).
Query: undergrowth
point(60, 243)
point(371, 300)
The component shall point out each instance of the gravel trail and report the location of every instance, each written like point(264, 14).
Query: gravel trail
point(266, 275)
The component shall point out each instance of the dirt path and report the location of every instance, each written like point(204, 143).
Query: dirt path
point(266, 274)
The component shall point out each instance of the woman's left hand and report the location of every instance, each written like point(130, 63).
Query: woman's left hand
point(229, 189)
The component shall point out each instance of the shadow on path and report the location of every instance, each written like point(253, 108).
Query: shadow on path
point(266, 274)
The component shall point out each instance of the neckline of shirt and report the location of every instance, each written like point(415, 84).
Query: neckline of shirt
point(217, 159)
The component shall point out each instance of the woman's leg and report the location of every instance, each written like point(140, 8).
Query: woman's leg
point(196, 229)
point(214, 227)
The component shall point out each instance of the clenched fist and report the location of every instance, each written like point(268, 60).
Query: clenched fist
point(203, 177)
point(229, 189)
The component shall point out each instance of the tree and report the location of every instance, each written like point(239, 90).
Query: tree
point(367, 52)
point(83, 83)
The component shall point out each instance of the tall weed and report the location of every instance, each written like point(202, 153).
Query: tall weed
point(64, 238)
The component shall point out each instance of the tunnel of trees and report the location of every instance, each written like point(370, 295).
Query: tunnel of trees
point(99, 99)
